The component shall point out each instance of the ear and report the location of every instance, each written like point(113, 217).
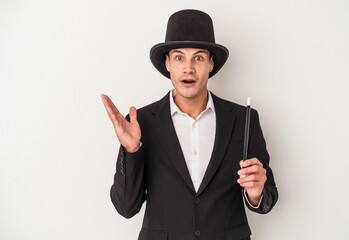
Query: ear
point(167, 64)
point(211, 62)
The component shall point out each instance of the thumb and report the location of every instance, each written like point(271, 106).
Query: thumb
point(133, 115)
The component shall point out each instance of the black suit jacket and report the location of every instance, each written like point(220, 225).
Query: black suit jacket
point(157, 173)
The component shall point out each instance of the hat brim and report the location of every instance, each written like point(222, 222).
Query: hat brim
point(157, 54)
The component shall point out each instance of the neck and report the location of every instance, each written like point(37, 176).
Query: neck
point(192, 106)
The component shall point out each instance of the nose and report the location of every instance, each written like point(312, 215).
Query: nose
point(189, 66)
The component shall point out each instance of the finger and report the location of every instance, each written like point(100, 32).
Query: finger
point(133, 115)
point(111, 104)
point(107, 107)
point(250, 184)
point(241, 175)
point(114, 116)
point(254, 169)
point(260, 178)
point(249, 162)
point(106, 103)
point(112, 109)
point(252, 161)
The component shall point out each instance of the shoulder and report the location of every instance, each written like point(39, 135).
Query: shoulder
point(234, 107)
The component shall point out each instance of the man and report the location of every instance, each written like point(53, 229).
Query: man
point(182, 154)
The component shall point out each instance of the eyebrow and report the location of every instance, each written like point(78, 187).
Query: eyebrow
point(200, 51)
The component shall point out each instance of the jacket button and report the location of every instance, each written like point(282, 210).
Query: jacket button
point(197, 200)
point(197, 232)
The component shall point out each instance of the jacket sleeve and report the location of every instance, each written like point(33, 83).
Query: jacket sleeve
point(257, 148)
point(128, 190)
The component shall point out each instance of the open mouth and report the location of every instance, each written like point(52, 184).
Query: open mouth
point(188, 81)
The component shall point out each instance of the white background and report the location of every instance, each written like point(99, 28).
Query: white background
point(58, 147)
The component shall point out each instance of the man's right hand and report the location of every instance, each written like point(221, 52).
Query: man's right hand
point(128, 133)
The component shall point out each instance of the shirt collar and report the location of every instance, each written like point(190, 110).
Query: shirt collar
point(174, 108)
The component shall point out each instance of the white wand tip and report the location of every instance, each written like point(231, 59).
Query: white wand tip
point(248, 101)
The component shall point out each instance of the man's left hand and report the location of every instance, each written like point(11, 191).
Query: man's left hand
point(252, 177)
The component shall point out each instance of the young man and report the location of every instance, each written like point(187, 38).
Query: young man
point(182, 154)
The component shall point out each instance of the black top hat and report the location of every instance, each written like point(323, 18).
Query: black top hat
point(189, 29)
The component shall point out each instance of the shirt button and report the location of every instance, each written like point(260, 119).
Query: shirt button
point(195, 153)
point(197, 200)
point(194, 125)
point(197, 232)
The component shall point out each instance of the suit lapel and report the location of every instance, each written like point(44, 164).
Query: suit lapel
point(164, 129)
point(225, 120)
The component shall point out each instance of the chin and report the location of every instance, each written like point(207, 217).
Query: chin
point(187, 94)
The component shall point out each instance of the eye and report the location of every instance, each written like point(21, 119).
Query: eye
point(179, 58)
point(199, 58)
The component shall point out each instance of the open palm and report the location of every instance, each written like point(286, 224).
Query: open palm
point(128, 133)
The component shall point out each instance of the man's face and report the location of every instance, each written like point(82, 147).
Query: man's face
point(189, 69)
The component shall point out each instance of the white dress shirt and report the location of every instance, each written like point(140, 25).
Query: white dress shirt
point(196, 138)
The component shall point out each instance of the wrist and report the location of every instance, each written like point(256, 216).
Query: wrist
point(135, 149)
point(253, 200)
